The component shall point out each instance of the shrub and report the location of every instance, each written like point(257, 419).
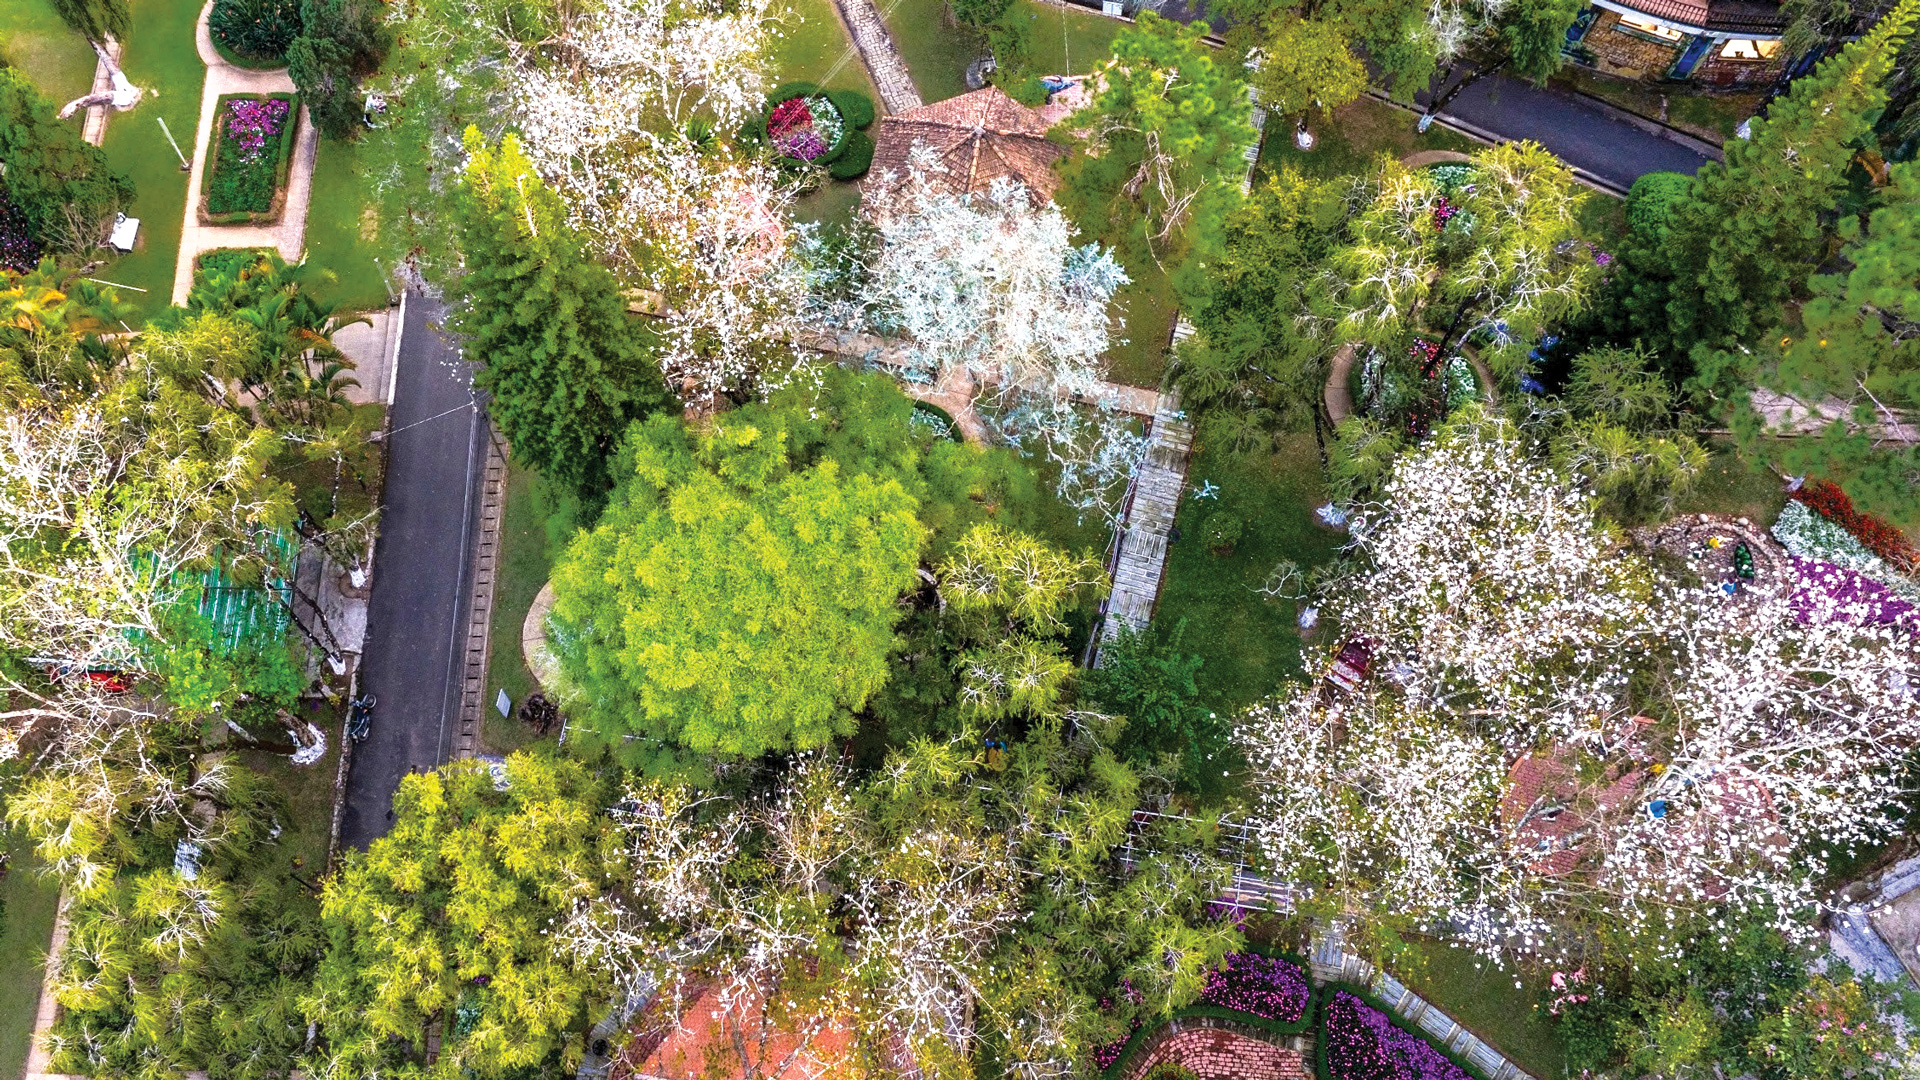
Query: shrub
point(255, 30)
point(1168, 1070)
point(1359, 1042)
point(856, 157)
point(855, 107)
point(53, 177)
point(1029, 91)
point(1223, 530)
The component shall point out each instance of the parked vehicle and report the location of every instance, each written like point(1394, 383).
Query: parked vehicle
point(360, 716)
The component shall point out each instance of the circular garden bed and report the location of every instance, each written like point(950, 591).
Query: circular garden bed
point(806, 125)
point(254, 33)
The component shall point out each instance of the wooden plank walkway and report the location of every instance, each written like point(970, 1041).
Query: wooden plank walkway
point(1140, 556)
point(473, 689)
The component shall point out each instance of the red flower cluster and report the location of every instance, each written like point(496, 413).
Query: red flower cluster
point(1443, 213)
point(788, 115)
point(1827, 500)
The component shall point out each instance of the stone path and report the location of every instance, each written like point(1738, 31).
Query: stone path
point(94, 128)
point(290, 234)
point(882, 56)
point(1140, 558)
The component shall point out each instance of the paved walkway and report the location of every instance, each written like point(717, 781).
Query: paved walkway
point(1140, 561)
point(882, 56)
point(290, 235)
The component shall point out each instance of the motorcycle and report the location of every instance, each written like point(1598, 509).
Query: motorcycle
point(360, 716)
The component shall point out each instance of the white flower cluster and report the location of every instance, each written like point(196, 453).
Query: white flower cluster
point(1509, 624)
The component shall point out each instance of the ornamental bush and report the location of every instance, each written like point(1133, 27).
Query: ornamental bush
point(59, 183)
point(1264, 986)
point(256, 30)
point(1880, 538)
point(856, 157)
point(855, 107)
point(1359, 1042)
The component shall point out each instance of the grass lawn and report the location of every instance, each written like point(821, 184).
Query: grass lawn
point(1484, 999)
point(1603, 219)
point(309, 792)
point(46, 50)
point(833, 202)
point(339, 230)
point(1712, 117)
point(1248, 644)
point(1064, 42)
point(525, 564)
point(160, 57)
point(813, 47)
point(1146, 308)
point(26, 929)
point(1736, 486)
point(1358, 133)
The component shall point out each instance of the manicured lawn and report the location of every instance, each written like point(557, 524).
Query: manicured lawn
point(937, 52)
point(35, 40)
point(1069, 41)
point(1734, 485)
point(340, 232)
point(1248, 644)
point(26, 928)
point(814, 47)
point(525, 564)
point(833, 202)
point(160, 57)
point(1484, 999)
point(1358, 133)
point(1603, 218)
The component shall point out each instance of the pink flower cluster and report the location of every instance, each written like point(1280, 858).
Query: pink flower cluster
point(1363, 1044)
point(251, 122)
point(1443, 213)
point(1263, 986)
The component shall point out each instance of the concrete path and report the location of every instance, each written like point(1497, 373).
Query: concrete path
point(417, 625)
point(370, 345)
point(1602, 146)
point(881, 55)
point(290, 235)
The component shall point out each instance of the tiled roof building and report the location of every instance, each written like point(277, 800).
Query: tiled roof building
point(976, 138)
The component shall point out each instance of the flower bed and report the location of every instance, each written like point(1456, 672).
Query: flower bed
point(1880, 538)
point(1360, 1042)
point(254, 33)
point(1264, 986)
point(1824, 592)
point(807, 129)
point(250, 165)
point(1810, 536)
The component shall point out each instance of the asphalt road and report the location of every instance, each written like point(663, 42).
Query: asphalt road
point(1575, 130)
point(435, 466)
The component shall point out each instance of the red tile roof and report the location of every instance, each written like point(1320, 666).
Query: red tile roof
point(977, 138)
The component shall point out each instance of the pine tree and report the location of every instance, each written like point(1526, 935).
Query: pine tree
point(1750, 229)
point(569, 371)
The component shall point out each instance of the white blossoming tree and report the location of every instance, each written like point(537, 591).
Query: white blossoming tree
point(1561, 733)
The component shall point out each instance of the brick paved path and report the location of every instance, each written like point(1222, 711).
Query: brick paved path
point(1223, 1050)
point(882, 56)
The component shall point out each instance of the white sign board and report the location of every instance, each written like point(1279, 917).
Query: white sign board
point(503, 703)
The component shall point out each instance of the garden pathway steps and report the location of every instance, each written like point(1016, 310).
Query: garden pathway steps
point(1140, 560)
point(290, 234)
point(882, 56)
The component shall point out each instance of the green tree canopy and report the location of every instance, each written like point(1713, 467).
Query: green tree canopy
point(95, 19)
point(58, 181)
point(1308, 63)
point(453, 916)
point(740, 594)
point(568, 369)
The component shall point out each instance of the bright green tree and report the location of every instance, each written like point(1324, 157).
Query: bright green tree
point(568, 369)
point(1308, 63)
point(739, 595)
point(453, 916)
point(1164, 168)
point(60, 183)
point(1751, 230)
point(340, 42)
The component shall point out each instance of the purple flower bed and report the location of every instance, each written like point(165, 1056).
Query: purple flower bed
point(246, 165)
point(1824, 592)
point(1361, 1043)
point(18, 249)
point(1262, 986)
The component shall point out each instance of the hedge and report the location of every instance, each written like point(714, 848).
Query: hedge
point(254, 33)
point(1325, 996)
point(855, 107)
point(856, 157)
point(282, 164)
